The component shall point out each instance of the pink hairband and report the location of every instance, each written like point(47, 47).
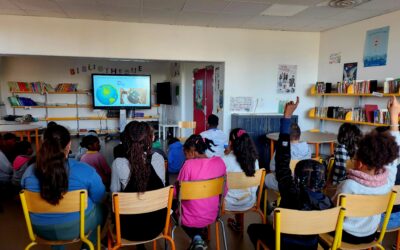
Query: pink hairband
point(241, 132)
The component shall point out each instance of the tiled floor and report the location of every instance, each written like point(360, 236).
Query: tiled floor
point(14, 235)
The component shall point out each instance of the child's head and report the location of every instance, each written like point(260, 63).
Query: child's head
point(172, 140)
point(91, 142)
point(92, 132)
point(295, 132)
point(212, 121)
point(376, 150)
point(244, 150)
point(137, 140)
point(310, 175)
point(9, 140)
point(119, 151)
point(349, 135)
point(195, 146)
point(51, 124)
point(23, 148)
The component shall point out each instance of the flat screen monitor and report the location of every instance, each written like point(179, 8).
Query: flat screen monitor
point(121, 91)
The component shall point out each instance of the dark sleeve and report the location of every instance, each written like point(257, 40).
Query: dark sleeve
point(287, 189)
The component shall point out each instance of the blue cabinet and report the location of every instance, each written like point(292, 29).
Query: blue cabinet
point(257, 126)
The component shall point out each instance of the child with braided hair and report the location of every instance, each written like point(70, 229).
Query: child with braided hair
point(242, 157)
point(198, 214)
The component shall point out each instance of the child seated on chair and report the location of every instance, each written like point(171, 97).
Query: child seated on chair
point(242, 157)
point(22, 161)
point(374, 173)
point(176, 157)
point(217, 136)
point(95, 159)
point(6, 170)
point(198, 214)
point(135, 173)
point(298, 151)
point(303, 191)
point(348, 137)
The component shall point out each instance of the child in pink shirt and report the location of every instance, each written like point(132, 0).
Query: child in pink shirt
point(24, 154)
point(95, 159)
point(198, 214)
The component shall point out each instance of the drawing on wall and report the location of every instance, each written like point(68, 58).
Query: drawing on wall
point(242, 104)
point(335, 58)
point(349, 72)
point(375, 48)
point(287, 78)
point(199, 94)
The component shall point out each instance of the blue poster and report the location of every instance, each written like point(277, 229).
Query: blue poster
point(376, 44)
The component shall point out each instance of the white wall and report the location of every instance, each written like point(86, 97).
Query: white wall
point(349, 40)
point(251, 56)
point(56, 70)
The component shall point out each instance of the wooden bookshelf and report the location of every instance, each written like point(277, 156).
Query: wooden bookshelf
point(55, 106)
point(54, 92)
point(311, 114)
point(313, 92)
point(95, 118)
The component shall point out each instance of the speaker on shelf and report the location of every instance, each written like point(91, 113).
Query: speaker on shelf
point(163, 91)
point(328, 87)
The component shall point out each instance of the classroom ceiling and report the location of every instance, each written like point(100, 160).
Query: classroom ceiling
point(289, 15)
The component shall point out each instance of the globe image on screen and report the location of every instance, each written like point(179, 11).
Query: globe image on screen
point(107, 94)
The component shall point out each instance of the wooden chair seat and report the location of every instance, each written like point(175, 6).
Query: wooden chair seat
point(126, 242)
point(328, 239)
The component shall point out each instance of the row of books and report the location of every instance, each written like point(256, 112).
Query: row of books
point(21, 101)
point(359, 87)
point(66, 87)
point(365, 87)
point(392, 86)
point(370, 113)
point(36, 87)
point(41, 87)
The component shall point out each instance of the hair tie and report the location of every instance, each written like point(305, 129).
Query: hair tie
point(241, 132)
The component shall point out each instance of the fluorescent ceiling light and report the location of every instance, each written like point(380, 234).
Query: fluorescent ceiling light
point(283, 10)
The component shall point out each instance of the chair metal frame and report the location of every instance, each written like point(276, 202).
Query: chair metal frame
point(239, 180)
point(396, 202)
point(194, 190)
point(72, 201)
point(314, 222)
point(363, 206)
point(138, 203)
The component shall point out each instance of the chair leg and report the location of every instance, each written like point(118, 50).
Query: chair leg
point(154, 245)
point(265, 204)
point(171, 241)
point(208, 232)
point(30, 245)
point(173, 232)
point(398, 240)
point(98, 238)
point(258, 244)
point(217, 235)
point(223, 233)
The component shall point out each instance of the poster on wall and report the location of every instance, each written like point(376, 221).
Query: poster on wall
point(349, 72)
point(242, 104)
point(335, 58)
point(199, 94)
point(287, 78)
point(375, 48)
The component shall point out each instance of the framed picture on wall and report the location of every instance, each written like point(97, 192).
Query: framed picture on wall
point(349, 72)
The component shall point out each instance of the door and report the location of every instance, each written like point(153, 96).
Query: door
point(202, 96)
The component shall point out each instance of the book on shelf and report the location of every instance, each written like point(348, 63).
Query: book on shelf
point(369, 111)
point(29, 87)
point(66, 87)
point(21, 101)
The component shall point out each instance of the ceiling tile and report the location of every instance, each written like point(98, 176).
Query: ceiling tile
point(159, 16)
point(205, 5)
point(380, 5)
point(12, 12)
point(301, 2)
point(353, 15)
point(245, 8)
point(121, 3)
point(255, 1)
point(120, 11)
point(8, 5)
point(75, 2)
point(46, 13)
point(37, 5)
point(319, 12)
point(230, 20)
point(195, 18)
point(176, 5)
point(264, 22)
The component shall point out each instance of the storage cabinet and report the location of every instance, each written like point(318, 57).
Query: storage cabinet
point(257, 126)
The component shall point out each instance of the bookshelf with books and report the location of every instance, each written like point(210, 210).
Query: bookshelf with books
point(361, 113)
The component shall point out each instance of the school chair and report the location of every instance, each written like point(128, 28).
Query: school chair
point(140, 203)
point(239, 180)
point(313, 222)
point(182, 125)
point(396, 202)
point(73, 201)
point(194, 190)
point(364, 206)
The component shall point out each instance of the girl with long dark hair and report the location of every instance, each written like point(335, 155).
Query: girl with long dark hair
point(53, 175)
point(242, 158)
point(137, 173)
